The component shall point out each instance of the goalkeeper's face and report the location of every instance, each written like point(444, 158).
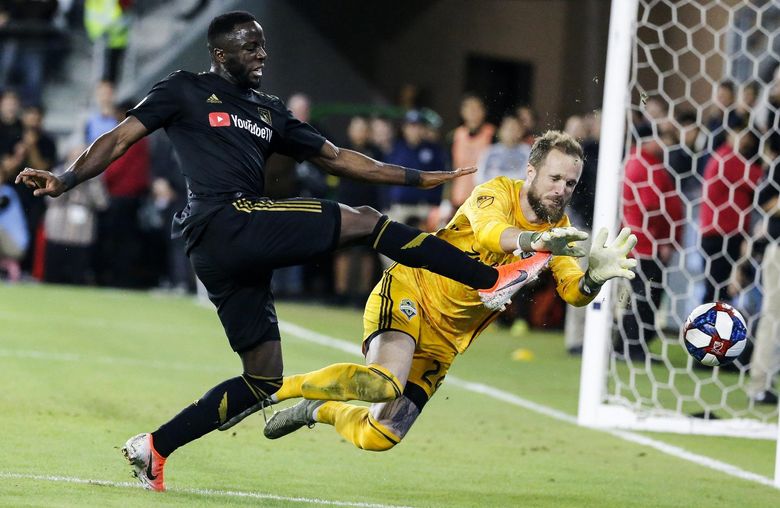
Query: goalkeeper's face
point(551, 185)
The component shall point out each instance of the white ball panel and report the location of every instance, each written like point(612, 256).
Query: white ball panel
point(724, 325)
point(736, 349)
point(698, 311)
point(697, 337)
point(710, 360)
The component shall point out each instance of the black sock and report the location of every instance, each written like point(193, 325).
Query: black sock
point(416, 249)
point(219, 404)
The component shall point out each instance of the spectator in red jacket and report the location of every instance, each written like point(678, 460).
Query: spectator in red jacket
point(731, 177)
point(653, 210)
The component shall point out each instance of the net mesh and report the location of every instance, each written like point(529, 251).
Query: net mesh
point(702, 121)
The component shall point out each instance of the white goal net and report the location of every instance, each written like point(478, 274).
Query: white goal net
point(691, 102)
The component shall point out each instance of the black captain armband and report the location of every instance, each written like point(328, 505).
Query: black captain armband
point(412, 177)
point(69, 180)
point(588, 286)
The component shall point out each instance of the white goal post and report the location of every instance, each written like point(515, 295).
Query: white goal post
point(679, 52)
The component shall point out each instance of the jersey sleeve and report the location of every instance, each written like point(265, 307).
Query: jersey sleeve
point(489, 210)
point(299, 139)
point(161, 105)
point(567, 273)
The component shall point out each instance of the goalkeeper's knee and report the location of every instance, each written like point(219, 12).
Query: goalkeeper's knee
point(350, 381)
point(375, 437)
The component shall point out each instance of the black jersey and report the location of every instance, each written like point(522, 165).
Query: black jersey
point(224, 134)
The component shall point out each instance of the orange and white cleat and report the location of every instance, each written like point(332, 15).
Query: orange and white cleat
point(511, 278)
point(146, 462)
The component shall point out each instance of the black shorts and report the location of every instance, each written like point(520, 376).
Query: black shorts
point(240, 246)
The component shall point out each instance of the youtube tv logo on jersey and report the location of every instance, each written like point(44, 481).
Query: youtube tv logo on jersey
point(219, 119)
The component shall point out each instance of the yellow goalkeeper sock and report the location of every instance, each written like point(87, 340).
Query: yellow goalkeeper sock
point(357, 426)
point(343, 381)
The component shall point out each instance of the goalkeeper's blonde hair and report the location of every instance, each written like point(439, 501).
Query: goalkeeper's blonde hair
point(554, 140)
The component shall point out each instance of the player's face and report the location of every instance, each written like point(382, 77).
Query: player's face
point(244, 54)
point(551, 185)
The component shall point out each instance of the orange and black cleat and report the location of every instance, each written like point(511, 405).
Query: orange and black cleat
point(146, 462)
point(511, 278)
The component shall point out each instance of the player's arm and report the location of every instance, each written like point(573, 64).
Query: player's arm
point(605, 262)
point(355, 165)
point(95, 159)
point(558, 241)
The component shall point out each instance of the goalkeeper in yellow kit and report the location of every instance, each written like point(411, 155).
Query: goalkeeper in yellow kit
point(416, 322)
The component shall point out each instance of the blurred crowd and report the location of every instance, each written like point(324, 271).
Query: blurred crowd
point(104, 230)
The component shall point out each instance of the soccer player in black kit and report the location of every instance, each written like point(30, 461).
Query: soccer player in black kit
point(224, 130)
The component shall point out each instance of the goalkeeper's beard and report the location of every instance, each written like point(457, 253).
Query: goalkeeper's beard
point(551, 214)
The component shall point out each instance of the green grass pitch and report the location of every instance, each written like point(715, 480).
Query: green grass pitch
point(81, 370)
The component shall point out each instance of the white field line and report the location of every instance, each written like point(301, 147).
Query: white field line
point(495, 393)
point(353, 349)
point(199, 492)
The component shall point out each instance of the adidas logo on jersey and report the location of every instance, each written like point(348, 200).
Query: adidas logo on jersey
point(213, 99)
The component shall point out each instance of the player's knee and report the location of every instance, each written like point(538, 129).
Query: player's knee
point(376, 437)
point(376, 445)
point(360, 223)
point(380, 385)
point(369, 213)
point(263, 387)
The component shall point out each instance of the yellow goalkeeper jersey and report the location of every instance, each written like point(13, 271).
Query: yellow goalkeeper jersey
point(455, 310)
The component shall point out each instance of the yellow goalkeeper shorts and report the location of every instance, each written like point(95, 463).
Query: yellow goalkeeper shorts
point(393, 306)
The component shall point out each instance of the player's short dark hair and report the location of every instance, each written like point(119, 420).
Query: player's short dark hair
point(224, 24)
point(554, 140)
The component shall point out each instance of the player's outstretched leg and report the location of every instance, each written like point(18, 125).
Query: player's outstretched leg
point(340, 381)
point(213, 409)
point(389, 358)
point(413, 248)
point(416, 249)
point(371, 429)
point(354, 423)
point(391, 354)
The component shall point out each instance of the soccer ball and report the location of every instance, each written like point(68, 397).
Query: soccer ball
point(715, 334)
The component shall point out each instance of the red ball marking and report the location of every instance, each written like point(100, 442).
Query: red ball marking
point(718, 347)
point(724, 307)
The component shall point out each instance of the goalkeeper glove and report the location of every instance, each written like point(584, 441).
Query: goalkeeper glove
point(556, 241)
point(608, 261)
